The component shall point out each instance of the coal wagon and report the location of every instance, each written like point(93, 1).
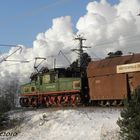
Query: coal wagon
point(113, 79)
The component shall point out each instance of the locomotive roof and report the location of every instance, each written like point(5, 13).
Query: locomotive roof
point(108, 65)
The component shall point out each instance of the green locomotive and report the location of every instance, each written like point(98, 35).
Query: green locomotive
point(57, 86)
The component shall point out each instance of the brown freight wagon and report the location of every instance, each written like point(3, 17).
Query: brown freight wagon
point(113, 79)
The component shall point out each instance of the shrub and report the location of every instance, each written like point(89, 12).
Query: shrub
point(129, 122)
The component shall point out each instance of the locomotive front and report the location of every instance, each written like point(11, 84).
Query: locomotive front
point(56, 87)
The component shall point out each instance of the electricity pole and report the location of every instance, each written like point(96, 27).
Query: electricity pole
point(80, 50)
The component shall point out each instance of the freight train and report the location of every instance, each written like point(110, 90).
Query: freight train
point(104, 82)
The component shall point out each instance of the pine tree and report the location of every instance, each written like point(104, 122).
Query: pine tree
point(129, 122)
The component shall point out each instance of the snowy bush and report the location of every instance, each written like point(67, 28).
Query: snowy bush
point(130, 118)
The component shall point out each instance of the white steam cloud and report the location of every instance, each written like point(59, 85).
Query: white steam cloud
point(106, 28)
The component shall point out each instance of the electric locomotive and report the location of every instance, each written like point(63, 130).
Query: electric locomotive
point(58, 86)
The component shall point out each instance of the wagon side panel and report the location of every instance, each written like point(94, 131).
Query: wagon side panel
point(108, 87)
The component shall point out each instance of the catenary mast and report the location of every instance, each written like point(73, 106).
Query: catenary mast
point(80, 50)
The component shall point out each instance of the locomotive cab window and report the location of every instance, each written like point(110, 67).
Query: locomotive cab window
point(32, 89)
point(52, 78)
point(40, 79)
point(26, 89)
point(46, 79)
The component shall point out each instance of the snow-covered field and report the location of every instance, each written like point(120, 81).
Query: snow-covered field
point(91, 123)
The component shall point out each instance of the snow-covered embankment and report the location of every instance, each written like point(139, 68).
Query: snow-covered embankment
point(71, 124)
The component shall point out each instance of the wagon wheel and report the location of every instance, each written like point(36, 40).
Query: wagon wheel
point(78, 99)
point(26, 102)
point(21, 102)
point(73, 100)
point(59, 100)
point(33, 102)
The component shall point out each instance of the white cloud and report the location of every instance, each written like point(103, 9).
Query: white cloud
point(105, 23)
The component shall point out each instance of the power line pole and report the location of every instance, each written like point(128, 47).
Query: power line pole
point(80, 50)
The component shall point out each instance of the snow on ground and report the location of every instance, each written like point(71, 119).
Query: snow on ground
point(91, 123)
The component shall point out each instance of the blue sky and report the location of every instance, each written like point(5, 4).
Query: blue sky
point(22, 20)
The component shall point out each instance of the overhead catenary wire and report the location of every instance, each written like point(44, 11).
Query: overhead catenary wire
point(11, 60)
point(113, 41)
point(21, 61)
point(63, 54)
point(28, 61)
point(100, 44)
point(8, 45)
point(18, 49)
